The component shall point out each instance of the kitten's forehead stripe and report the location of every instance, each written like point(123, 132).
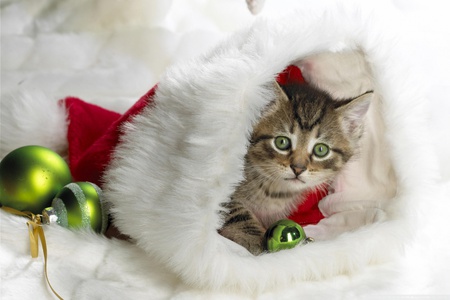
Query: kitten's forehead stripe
point(310, 113)
point(308, 124)
point(291, 129)
point(318, 132)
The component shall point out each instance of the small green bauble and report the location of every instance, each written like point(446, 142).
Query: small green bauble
point(284, 234)
point(30, 177)
point(79, 205)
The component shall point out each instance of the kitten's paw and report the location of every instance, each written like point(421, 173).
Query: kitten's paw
point(253, 243)
point(255, 249)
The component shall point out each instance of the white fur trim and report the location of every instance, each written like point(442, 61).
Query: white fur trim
point(179, 160)
point(45, 122)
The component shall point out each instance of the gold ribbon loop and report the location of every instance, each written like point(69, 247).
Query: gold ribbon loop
point(35, 231)
point(33, 228)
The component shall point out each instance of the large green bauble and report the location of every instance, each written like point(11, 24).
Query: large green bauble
point(79, 205)
point(284, 234)
point(30, 177)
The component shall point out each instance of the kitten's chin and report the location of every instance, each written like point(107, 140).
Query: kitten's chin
point(301, 184)
point(295, 184)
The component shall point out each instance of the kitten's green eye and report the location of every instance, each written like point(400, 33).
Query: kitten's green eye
point(321, 150)
point(282, 143)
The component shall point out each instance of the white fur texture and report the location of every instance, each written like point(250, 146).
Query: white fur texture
point(44, 124)
point(383, 234)
point(179, 160)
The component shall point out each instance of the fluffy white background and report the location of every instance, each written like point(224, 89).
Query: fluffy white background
point(110, 53)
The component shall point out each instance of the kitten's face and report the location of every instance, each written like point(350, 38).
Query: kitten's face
point(304, 138)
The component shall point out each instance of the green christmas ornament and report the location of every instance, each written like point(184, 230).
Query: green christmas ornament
point(30, 177)
point(78, 205)
point(284, 234)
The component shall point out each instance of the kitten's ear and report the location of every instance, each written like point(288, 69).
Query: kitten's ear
point(280, 92)
point(280, 97)
point(353, 112)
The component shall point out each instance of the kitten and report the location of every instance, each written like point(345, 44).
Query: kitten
point(302, 140)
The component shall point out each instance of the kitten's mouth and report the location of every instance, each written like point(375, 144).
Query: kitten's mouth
point(295, 179)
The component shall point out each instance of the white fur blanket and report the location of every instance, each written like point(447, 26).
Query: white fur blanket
point(384, 235)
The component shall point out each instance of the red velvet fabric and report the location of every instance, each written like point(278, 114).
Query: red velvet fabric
point(291, 74)
point(94, 132)
point(308, 212)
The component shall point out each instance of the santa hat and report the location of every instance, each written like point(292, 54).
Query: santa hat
point(94, 132)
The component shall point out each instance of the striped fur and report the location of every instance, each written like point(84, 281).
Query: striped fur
point(276, 178)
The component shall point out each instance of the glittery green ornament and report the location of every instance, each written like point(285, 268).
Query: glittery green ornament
point(284, 234)
point(30, 177)
point(78, 205)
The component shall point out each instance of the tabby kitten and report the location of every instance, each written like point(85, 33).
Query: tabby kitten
point(302, 140)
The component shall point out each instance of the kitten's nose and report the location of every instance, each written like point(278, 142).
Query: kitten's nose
point(297, 169)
